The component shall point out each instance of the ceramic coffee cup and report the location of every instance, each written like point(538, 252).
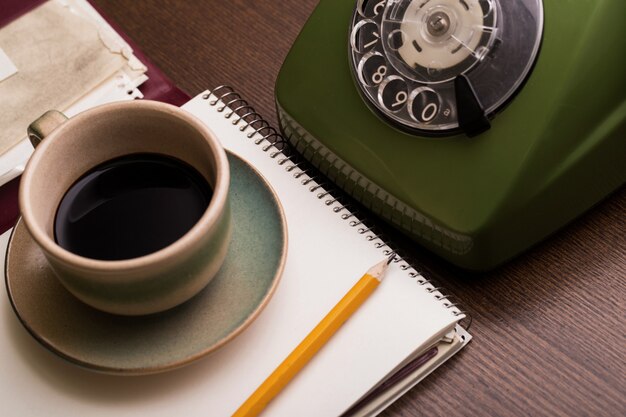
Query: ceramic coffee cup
point(147, 284)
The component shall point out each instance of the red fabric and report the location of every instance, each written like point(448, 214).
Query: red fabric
point(158, 87)
point(8, 204)
point(12, 9)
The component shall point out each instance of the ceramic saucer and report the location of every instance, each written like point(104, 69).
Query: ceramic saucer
point(159, 342)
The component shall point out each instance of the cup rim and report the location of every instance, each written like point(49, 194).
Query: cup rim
point(188, 241)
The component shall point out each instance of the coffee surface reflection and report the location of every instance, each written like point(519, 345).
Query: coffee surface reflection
point(130, 207)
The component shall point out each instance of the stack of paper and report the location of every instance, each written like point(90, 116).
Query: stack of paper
point(61, 55)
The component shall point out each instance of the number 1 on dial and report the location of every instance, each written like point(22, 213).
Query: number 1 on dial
point(376, 36)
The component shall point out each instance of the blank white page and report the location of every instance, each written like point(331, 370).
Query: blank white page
point(325, 258)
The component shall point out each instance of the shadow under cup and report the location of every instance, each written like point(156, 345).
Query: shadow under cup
point(150, 283)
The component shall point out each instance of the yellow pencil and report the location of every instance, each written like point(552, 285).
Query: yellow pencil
point(314, 341)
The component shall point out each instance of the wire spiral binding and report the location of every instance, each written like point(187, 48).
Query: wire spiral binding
point(269, 138)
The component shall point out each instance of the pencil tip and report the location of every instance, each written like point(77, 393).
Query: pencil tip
point(378, 270)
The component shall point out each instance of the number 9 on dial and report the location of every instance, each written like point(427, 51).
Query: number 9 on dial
point(393, 93)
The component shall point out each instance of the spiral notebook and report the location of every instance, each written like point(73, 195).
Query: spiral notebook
point(404, 331)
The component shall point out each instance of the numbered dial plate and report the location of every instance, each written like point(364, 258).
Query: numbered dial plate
point(407, 54)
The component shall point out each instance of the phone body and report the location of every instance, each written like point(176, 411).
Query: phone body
point(553, 147)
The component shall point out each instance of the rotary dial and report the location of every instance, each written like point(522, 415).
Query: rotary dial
point(440, 66)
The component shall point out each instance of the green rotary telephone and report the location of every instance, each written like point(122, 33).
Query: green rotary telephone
point(476, 127)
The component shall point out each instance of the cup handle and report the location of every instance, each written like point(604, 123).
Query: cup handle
point(44, 125)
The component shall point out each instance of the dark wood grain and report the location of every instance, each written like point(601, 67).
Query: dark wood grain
point(549, 326)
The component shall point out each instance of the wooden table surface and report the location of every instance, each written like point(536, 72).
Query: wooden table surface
point(548, 326)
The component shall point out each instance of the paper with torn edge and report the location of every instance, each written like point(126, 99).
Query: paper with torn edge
point(7, 68)
point(62, 53)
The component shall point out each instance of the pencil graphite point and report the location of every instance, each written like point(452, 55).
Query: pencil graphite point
point(378, 270)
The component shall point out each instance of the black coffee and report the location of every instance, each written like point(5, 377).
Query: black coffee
point(130, 206)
